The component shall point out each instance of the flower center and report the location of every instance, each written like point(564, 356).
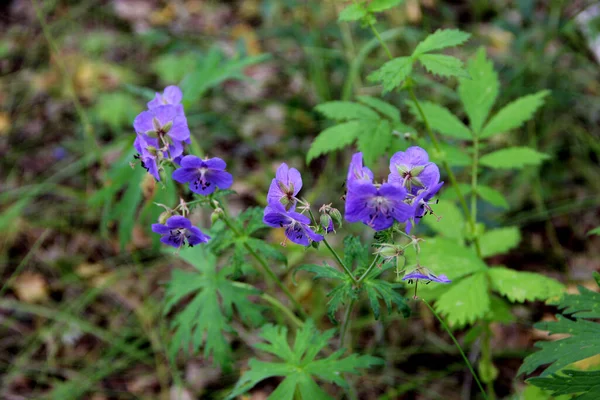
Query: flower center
point(201, 181)
point(178, 236)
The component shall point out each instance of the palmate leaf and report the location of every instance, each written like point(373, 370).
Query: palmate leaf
point(299, 363)
point(442, 65)
point(441, 119)
point(514, 114)
point(584, 383)
point(499, 241)
point(448, 257)
point(393, 73)
point(584, 339)
point(452, 222)
point(379, 289)
point(465, 301)
point(205, 319)
point(521, 286)
point(479, 93)
point(513, 158)
point(441, 39)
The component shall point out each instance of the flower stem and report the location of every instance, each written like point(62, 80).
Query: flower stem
point(226, 219)
point(462, 353)
point(385, 47)
point(339, 260)
point(346, 322)
point(373, 263)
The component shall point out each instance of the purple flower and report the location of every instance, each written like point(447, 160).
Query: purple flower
point(295, 224)
point(203, 175)
point(412, 169)
point(285, 186)
point(420, 205)
point(424, 274)
point(147, 154)
point(357, 173)
point(171, 95)
point(167, 121)
point(178, 231)
point(377, 207)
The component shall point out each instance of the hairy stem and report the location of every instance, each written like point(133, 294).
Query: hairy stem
point(462, 353)
point(339, 260)
point(346, 323)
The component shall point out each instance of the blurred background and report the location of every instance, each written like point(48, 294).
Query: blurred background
point(82, 275)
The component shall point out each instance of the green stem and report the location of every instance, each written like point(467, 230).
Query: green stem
point(346, 322)
point(462, 353)
point(385, 47)
point(339, 260)
point(474, 173)
point(373, 263)
point(276, 303)
point(264, 265)
point(486, 359)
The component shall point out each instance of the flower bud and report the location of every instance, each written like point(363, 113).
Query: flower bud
point(336, 215)
point(326, 223)
point(216, 215)
point(164, 216)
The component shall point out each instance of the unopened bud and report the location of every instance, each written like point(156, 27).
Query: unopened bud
point(336, 215)
point(152, 150)
point(164, 216)
point(326, 223)
point(216, 215)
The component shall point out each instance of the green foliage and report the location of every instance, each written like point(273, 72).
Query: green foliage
point(452, 223)
point(382, 5)
point(465, 301)
point(393, 73)
point(172, 68)
point(595, 231)
point(520, 286)
point(371, 124)
point(441, 119)
point(514, 114)
point(442, 65)
point(586, 384)
point(492, 196)
point(479, 93)
point(353, 12)
point(377, 289)
point(300, 365)
point(441, 39)
point(513, 158)
point(364, 10)
point(116, 109)
point(583, 342)
point(499, 241)
point(206, 317)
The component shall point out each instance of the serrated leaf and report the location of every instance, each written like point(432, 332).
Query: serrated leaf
point(353, 12)
point(379, 289)
point(374, 143)
point(500, 311)
point(206, 317)
point(441, 39)
point(514, 114)
point(381, 106)
point(584, 305)
point(393, 73)
point(299, 364)
point(465, 301)
point(446, 256)
point(521, 286)
point(355, 253)
point(584, 383)
point(452, 154)
point(443, 65)
point(334, 138)
point(492, 196)
point(346, 110)
point(513, 158)
point(451, 223)
point(499, 241)
point(382, 5)
point(441, 119)
point(479, 93)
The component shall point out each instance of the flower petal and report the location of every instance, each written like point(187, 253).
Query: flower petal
point(196, 236)
point(191, 161)
point(178, 221)
point(221, 179)
point(161, 229)
point(184, 175)
point(143, 122)
point(215, 163)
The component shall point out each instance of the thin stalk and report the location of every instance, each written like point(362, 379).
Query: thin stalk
point(265, 267)
point(474, 173)
point(346, 322)
point(462, 353)
point(276, 303)
point(486, 358)
point(385, 47)
point(373, 263)
point(339, 260)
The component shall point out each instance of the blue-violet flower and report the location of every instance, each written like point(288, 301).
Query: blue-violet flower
point(178, 231)
point(204, 176)
point(296, 225)
point(285, 186)
point(167, 123)
point(357, 173)
point(171, 95)
point(413, 170)
point(420, 204)
point(424, 274)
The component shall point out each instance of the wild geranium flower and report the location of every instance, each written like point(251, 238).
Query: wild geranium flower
point(172, 95)
point(204, 176)
point(166, 123)
point(296, 225)
point(376, 206)
point(413, 170)
point(357, 173)
point(285, 186)
point(421, 205)
point(178, 231)
point(148, 155)
point(424, 274)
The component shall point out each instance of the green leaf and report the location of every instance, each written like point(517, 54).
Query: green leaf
point(451, 223)
point(595, 231)
point(442, 65)
point(299, 363)
point(334, 138)
point(584, 383)
point(393, 73)
point(355, 253)
point(521, 286)
point(452, 154)
point(171, 68)
point(205, 319)
point(346, 110)
point(382, 5)
point(499, 241)
point(465, 301)
point(353, 12)
point(441, 119)
point(479, 93)
point(116, 109)
point(376, 142)
point(380, 289)
point(441, 39)
point(381, 106)
point(125, 209)
point(514, 114)
point(513, 158)
point(492, 196)
point(446, 256)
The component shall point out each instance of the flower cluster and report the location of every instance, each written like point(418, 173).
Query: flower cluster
point(404, 198)
point(281, 209)
point(161, 136)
